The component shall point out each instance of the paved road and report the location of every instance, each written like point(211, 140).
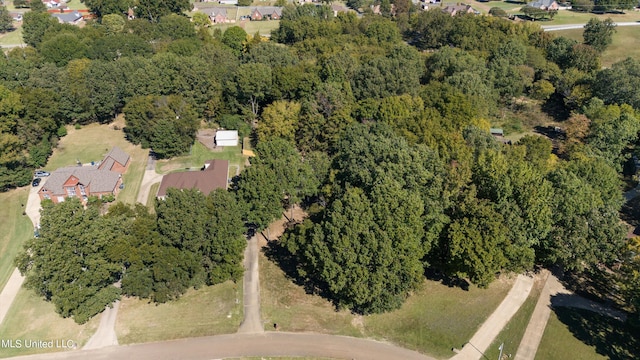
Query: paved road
point(150, 177)
point(240, 345)
point(10, 290)
point(251, 290)
point(580, 26)
point(482, 339)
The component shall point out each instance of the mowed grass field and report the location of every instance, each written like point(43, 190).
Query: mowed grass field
point(433, 320)
point(198, 155)
point(15, 229)
point(91, 143)
point(210, 310)
point(30, 317)
point(626, 43)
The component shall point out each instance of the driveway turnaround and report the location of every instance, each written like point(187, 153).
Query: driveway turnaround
point(241, 345)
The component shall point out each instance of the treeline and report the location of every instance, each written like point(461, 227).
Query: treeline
point(83, 261)
point(382, 125)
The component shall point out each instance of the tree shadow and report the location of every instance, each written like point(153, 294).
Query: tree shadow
point(450, 281)
point(594, 284)
point(608, 336)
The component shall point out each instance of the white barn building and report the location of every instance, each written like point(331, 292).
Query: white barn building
point(226, 138)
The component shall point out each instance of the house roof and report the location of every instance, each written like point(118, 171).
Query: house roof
point(268, 10)
point(541, 3)
point(116, 154)
point(90, 176)
point(68, 17)
point(214, 11)
point(226, 135)
point(214, 176)
point(456, 9)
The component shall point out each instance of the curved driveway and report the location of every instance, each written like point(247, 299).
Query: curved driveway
point(240, 345)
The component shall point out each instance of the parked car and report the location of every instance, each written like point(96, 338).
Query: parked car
point(35, 182)
point(41, 173)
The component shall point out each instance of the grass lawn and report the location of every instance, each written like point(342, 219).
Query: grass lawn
point(626, 43)
point(91, 143)
point(210, 310)
point(151, 200)
point(199, 154)
point(15, 229)
point(512, 334)
point(433, 320)
point(484, 7)
point(12, 37)
point(32, 318)
point(251, 27)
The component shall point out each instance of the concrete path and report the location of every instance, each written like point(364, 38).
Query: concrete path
point(106, 333)
point(555, 294)
point(10, 290)
point(245, 345)
point(483, 338)
point(251, 290)
point(580, 26)
point(150, 177)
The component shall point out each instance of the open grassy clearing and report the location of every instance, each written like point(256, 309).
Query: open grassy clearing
point(433, 320)
point(15, 229)
point(210, 310)
point(12, 37)
point(512, 334)
point(198, 155)
point(32, 318)
point(252, 27)
point(626, 43)
point(151, 200)
point(485, 6)
point(91, 143)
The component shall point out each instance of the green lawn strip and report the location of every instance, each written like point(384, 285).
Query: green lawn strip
point(198, 155)
point(76, 5)
point(15, 229)
point(210, 310)
point(250, 27)
point(151, 201)
point(512, 334)
point(32, 318)
point(433, 320)
point(484, 7)
point(437, 318)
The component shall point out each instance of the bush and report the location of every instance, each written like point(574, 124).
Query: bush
point(62, 131)
point(78, 127)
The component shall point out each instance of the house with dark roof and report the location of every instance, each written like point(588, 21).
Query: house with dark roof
point(214, 175)
point(266, 13)
point(460, 9)
point(217, 15)
point(69, 18)
point(84, 181)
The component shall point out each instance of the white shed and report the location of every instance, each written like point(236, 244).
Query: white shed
point(226, 138)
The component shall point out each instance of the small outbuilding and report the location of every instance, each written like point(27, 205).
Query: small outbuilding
point(226, 138)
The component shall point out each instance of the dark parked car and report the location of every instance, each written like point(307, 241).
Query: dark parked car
point(35, 182)
point(41, 173)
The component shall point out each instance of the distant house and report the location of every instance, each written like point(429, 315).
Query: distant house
point(460, 9)
point(336, 8)
point(226, 138)
point(16, 16)
point(69, 18)
point(545, 4)
point(266, 13)
point(217, 15)
point(496, 132)
point(229, 2)
point(214, 175)
point(84, 181)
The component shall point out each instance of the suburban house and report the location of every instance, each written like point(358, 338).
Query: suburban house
point(266, 13)
point(69, 18)
point(217, 15)
point(545, 4)
point(84, 181)
point(226, 138)
point(460, 9)
point(16, 16)
point(213, 176)
point(336, 8)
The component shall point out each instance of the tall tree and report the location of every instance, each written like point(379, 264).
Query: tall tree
point(153, 10)
point(598, 33)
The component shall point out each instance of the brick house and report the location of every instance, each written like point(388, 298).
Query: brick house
point(214, 175)
point(84, 181)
